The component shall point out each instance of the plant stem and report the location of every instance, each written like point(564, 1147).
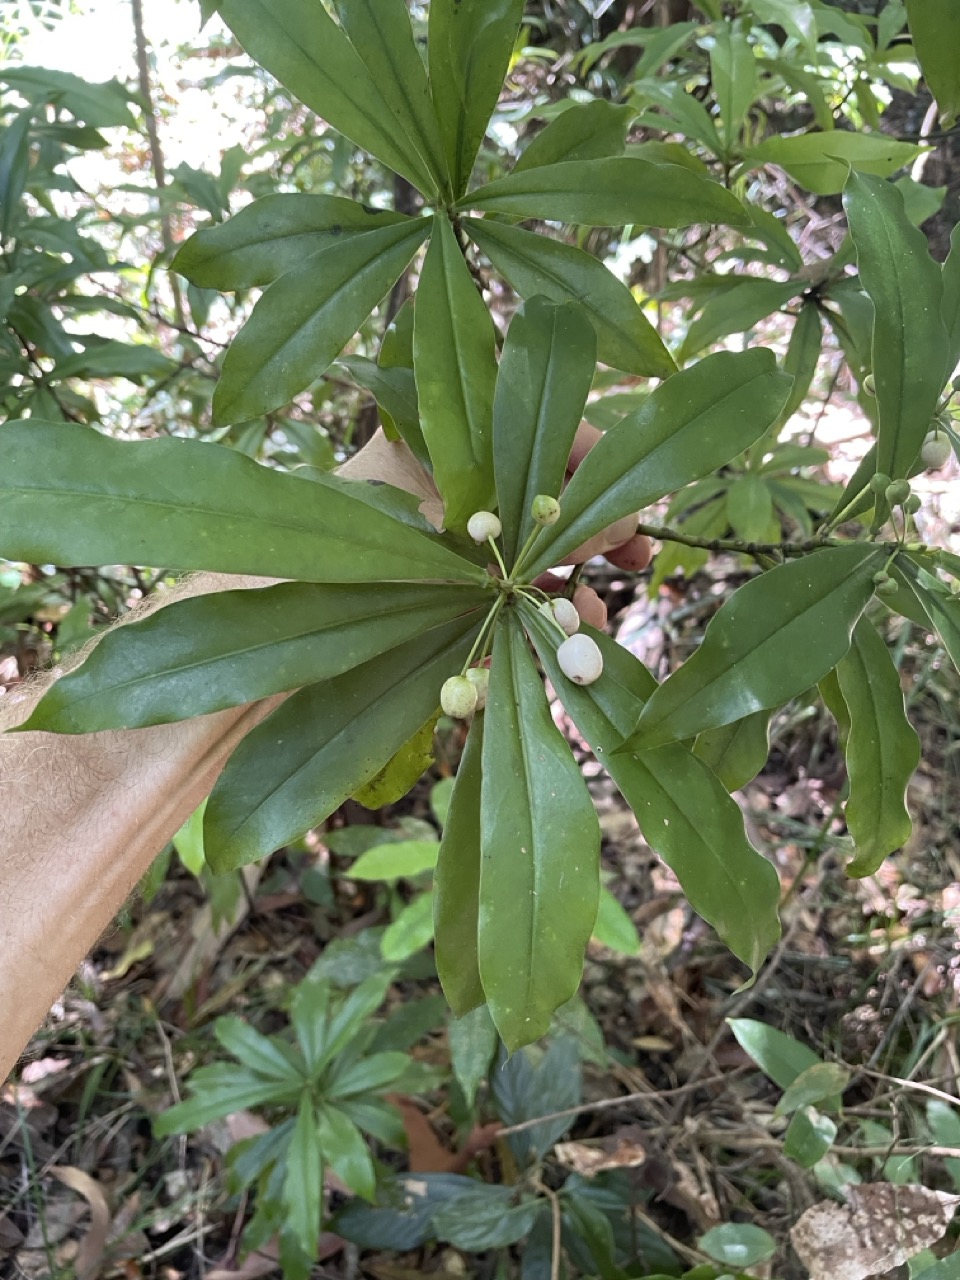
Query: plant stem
point(663, 534)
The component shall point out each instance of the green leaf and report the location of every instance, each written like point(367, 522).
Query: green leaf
point(116, 360)
point(586, 131)
point(935, 30)
point(778, 635)
point(820, 162)
point(395, 390)
point(410, 932)
point(684, 812)
point(470, 43)
point(300, 44)
point(303, 1179)
point(803, 356)
point(945, 1269)
point(821, 1082)
point(750, 507)
point(614, 192)
point(349, 1077)
point(350, 1017)
point(735, 310)
point(614, 928)
point(535, 264)
point(72, 496)
point(738, 1244)
point(345, 1150)
point(485, 1217)
point(909, 340)
point(778, 1055)
point(951, 301)
point(402, 771)
point(99, 105)
point(397, 860)
point(219, 1090)
point(809, 1137)
point(882, 751)
point(381, 33)
point(795, 16)
point(546, 371)
point(540, 841)
point(188, 842)
point(306, 318)
point(733, 75)
point(456, 366)
point(309, 1014)
point(736, 752)
point(473, 1041)
point(275, 235)
point(457, 883)
point(258, 1053)
point(325, 742)
point(210, 652)
point(687, 428)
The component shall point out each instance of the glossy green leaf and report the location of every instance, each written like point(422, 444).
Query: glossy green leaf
point(795, 16)
point(303, 1179)
point(257, 1052)
point(778, 635)
point(882, 751)
point(587, 131)
point(457, 883)
point(736, 309)
point(687, 428)
point(470, 43)
point(300, 44)
point(100, 105)
point(325, 742)
point(203, 654)
point(396, 860)
point(540, 842)
point(117, 360)
point(733, 76)
point(809, 1137)
point(614, 192)
point(778, 1055)
point(402, 771)
point(951, 301)
point(750, 508)
point(909, 339)
point(395, 391)
point(381, 33)
point(820, 162)
point(736, 752)
point(935, 31)
point(219, 1090)
point(613, 927)
point(306, 318)
point(473, 1041)
point(535, 264)
point(684, 812)
point(272, 236)
point(681, 107)
point(820, 1082)
point(346, 1151)
point(485, 1217)
point(309, 1012)
point(410, 932)
point(546, 371)
point(456, 367)
point(69, 495)
point(738, 1244)
point(803, 356)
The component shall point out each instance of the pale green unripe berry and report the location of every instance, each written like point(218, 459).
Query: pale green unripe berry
point(458, 697)
point(479, 677)
point(580, 659)
point(887, 587)
point(545, 510)
point(935, 452)
point(898, 492)
point(912, 505)
point(870, 385)
point(880, 483)
point(483, 525)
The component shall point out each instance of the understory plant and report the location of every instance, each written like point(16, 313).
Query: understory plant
point(378, 616)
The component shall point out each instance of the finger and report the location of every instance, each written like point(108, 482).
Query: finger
point(615, 535)
point(633, 556)
point(586, 437)
point(590, 607)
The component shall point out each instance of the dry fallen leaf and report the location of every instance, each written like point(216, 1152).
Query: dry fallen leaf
point(622, 1150)
point(880, 1227)
point(94, 1243)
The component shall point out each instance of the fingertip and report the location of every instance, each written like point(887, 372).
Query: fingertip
point(632, 556)
point(590, 607)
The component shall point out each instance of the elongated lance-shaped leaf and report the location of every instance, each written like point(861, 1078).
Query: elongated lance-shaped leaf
point(456, 883)
point(587, 131)
point(951, 301)
point(455, 362)
point(882, 750)
point(324, 743)
point(206, 653)
point(924, 599)
point(275, 235)
point(381, 33)
point(909, 339)
point(69, 495)
point(935, 30)
point(735, 310)
point(615, 192)
point(306, 318)
point(299, 43)
point(684, 812)
point(302, 1195)
point(395, 390)
point(535, 264)
point(819, 161)
point(540, 841)
point(470, 43)
point(778, 635)
point(736, 752)
point(694, 423)
point(546, 371)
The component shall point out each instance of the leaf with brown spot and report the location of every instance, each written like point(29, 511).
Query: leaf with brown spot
point(880, 1227)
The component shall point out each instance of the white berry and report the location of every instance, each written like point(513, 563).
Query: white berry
point(483, 525)
point(580, 659)
point(566, 614)
point(479, 677)
point(458, 697)
point(935, 452)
